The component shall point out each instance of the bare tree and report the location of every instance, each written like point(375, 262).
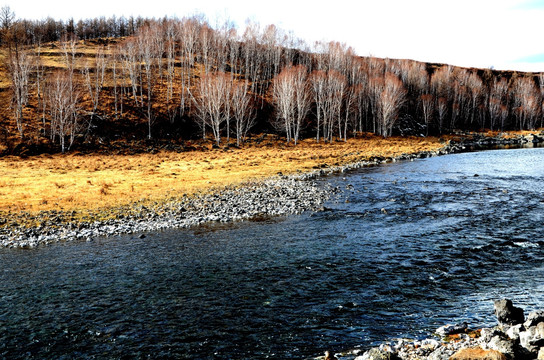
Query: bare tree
point(497, 96)
point(461, 97)
point(19, 66)
point(69, 46)
point(375, 88)
point(337, 85)
point(503, 115)
point(242, 110)
point(62, 99)
point(476, 89)
point(132, 67)
point(350, 99)
point(412, 73)
point(205, 42)
point(303, 99)
point(188, 32)
point(318, 81)
point(494, 109)
point(390, 101)
point(329, 89)
point(39, 69)
point(292, 97)
point(441, 82)
point(7, 19)
point(284, 100)
point(527, 102)
point(442, 111)
point(94, 80)
point(118, 105)
point(150, 52)
point(171, 37)
point(427, 107)
point(215, 90)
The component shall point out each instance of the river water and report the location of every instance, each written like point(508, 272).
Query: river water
point(402, 250)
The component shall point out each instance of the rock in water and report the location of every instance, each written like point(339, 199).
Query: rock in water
point(507, 313)
point(452, 329)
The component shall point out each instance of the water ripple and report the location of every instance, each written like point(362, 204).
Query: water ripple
point(404, 249)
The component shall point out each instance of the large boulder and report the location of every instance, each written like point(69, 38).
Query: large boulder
point(486, 334)
point(503, 345)
point(507, 313)
point(532, 339)
point(534, 318)
point(513, 331)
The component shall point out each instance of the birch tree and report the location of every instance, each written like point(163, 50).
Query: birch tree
point(497, 97)
point(318, 81)
point(215, 90)
point(390, 101)
point(19, 67)
point(242, 110)
point(475, 90)
point(132, 67)
point(427, 107)
point(336, 83)
point(150, 52)
point(188, 30)
point(442, 111)
point(171, 37)
point(62, 98)
point(94, 75)
point(292, 97)
point(526, 102)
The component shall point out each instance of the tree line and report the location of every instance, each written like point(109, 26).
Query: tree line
point(226, 82)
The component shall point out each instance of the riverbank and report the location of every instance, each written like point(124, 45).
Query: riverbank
point(171, 190)
point(515, 336)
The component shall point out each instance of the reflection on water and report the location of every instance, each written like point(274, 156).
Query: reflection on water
point(404, 249)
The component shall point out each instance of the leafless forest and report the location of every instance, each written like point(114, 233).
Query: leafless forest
point(66, 84)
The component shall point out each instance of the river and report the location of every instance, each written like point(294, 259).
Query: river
point(403, 249)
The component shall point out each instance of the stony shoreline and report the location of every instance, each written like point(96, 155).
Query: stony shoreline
point(514, 337)
point(280, 195)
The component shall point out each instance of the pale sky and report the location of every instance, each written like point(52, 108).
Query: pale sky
point(504, 34)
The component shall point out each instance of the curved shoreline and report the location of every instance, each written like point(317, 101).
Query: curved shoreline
point(276, 196)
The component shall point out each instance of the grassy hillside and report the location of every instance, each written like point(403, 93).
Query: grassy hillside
point(152, 89)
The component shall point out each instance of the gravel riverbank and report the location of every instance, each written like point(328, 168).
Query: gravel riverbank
point(516, 336)
point(280, 195)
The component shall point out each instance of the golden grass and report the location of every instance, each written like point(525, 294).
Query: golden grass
point(86, 182)
point(513, 133)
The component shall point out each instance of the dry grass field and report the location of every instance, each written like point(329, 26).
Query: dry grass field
point(87, 182)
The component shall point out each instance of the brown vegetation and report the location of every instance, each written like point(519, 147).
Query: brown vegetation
point(179, 79)
point(77, 182)
point(85, 88)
